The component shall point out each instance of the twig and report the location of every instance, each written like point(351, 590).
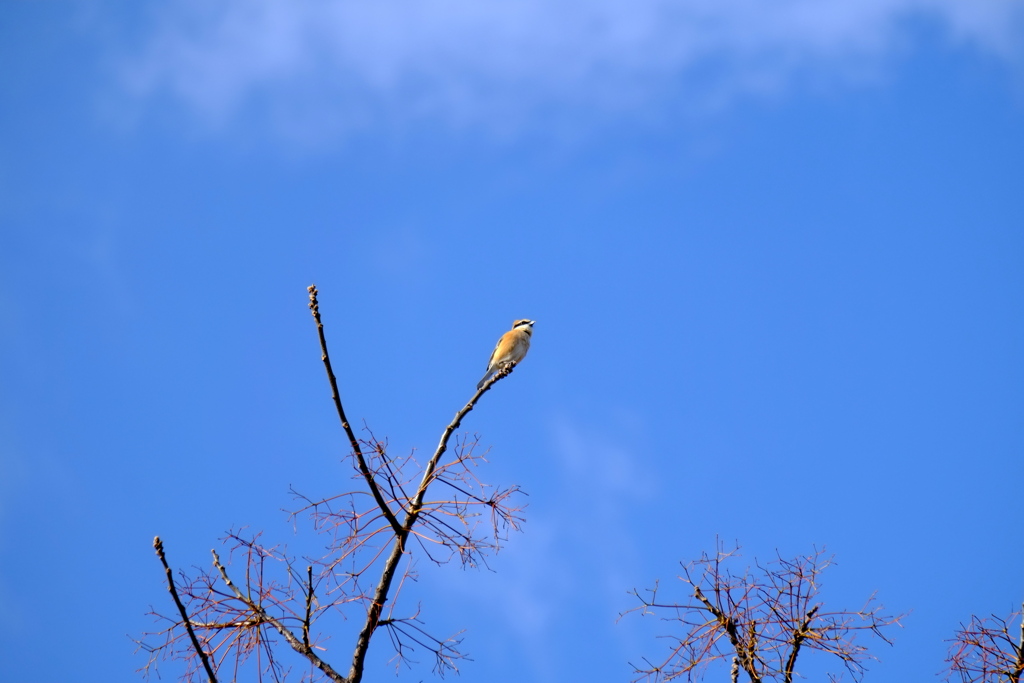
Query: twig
point(380, 596)
point(362, 524)
point(159, 545)
point(309, 605)
point(798, 638)
point(768, 620)
point(984, 651)
point(314, 306)
point(743, 654)
point(1018, 669)
point(258, 610)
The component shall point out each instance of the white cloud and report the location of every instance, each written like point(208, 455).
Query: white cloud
point(335, 65)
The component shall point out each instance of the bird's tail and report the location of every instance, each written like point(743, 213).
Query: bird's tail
point(487, 376)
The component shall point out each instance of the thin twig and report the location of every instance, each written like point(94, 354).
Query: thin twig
point(380, 596)
point(984, 651)
point(235, 619)
point(159, 545)
point(296, 644)
point(767, 618)
point(314, 306)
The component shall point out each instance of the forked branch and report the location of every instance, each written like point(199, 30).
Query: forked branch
point(380, 597)
point(768, 617)
point(224, 625)
point(989, 650)
point(256, 608)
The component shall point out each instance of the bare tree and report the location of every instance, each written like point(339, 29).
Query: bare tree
point(262, 603)
point(988, 650)
point(761, 620)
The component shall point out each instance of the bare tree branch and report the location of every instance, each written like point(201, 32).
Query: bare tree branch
point(314, 306)
point(159, 545)
point(242, 624)
point(258, 610)
point(798, 637)
point(398, 548)
point(768, 618)
point(984, 651)
point(745, 654)
point(309, 606)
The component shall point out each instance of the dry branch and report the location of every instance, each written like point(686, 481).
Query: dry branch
point(369, 528)
point(325, 356)
point(988, 650)
point(159, 546)
point(415, 509)
point(762, 620)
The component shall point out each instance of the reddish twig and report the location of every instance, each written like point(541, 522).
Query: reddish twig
point(984, 651)
point(257, 609)
point(768, 617)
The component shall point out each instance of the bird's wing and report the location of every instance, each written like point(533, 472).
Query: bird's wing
point(497, 348)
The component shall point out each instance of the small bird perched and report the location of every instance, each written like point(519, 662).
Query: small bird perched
point(511, 348)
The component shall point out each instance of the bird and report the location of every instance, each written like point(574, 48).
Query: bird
point(511, 348)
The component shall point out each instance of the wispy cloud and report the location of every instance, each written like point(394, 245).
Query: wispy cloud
point(338, 65)
point(578, 553)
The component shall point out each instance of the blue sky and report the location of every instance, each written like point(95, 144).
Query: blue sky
point(775, 252)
